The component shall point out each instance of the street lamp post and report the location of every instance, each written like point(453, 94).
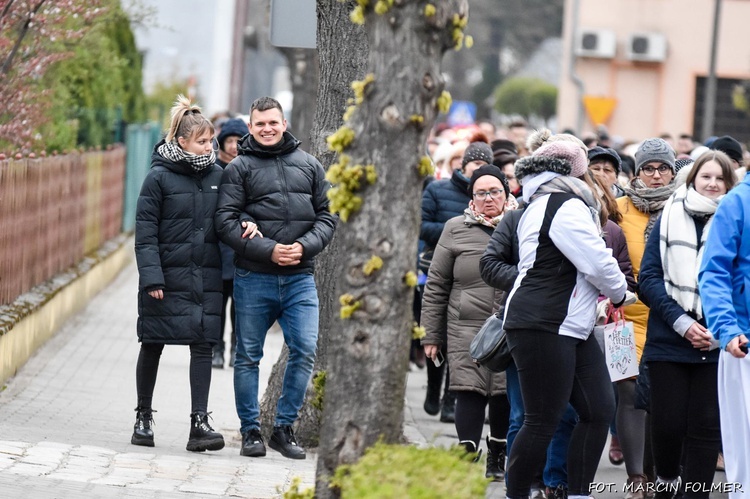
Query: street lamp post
point(573, 75)
point(709, 109)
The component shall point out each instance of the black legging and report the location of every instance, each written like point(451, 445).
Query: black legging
point(685, 427)
point(470, 416)
point(552, 370)
point(631, 424)
point(200, 374)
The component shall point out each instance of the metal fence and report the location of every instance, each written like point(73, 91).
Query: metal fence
point(140, 142)
point(54, 211)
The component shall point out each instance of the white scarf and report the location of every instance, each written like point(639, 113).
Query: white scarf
point(680, 251)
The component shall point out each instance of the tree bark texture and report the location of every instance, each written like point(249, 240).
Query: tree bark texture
point(342, 57)
point(368, 352)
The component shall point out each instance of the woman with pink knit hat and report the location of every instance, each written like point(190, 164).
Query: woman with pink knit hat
point(563, 267)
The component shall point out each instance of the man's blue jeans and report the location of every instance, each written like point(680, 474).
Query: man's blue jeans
point(261, 300)
point(556, 469)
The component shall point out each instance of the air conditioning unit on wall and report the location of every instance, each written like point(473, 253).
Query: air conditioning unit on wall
point(646, 47)
point(600, 43)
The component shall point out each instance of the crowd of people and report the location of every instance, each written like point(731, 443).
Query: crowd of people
point(583, 230)
point(553, 232)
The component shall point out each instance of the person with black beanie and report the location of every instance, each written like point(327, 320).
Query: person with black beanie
point(454, 282)
point(231, 132)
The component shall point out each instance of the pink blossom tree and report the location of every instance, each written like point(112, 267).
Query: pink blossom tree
point(34, 35)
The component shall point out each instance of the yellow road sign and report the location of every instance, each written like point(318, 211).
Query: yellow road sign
point(599, 109)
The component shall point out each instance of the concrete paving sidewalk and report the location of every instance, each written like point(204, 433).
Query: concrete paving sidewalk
point(66, 418)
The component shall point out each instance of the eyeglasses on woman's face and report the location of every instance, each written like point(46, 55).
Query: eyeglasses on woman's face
point(492, 193)
point(650, 170)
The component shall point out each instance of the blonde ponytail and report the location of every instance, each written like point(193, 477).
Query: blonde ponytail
point(186, 120)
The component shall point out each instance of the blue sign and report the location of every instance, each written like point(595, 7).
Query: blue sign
point(462, 113)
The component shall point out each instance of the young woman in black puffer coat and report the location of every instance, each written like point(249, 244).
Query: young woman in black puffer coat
point(179, 267)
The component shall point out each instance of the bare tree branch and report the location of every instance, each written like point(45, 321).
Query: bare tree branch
point(21, 35)
point(6, 9)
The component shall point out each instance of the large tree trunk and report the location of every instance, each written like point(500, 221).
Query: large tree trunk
point(368, 352)
point(338, 68)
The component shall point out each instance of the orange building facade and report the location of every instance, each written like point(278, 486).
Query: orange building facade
point(641, 66)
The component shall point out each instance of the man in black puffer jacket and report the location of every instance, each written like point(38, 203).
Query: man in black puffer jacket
point(283, 190)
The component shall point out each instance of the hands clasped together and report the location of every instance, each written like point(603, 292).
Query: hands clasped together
point(283, 254)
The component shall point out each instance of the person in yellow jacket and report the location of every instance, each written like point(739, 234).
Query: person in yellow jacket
point(641, 206)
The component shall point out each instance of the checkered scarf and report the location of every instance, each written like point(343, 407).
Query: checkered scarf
point(173, 152)
point(681, 252)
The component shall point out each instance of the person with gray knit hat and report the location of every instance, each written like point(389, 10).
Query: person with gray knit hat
point(640, 208)
point(479, 153)
point(654, 151)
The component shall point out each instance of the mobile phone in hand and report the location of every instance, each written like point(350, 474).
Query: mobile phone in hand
point(439, 359)
point(743, 348)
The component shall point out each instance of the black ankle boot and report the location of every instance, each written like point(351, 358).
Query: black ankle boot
point(283, 441)
point(495, 459)
point(142, 432)
point(448, 412)
point(202, 436)
point(471, 448)
point(432, 400)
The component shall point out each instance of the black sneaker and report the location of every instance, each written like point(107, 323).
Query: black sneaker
point(142, 432)
point(202, 436)
point(283, 441)
point(252, 444)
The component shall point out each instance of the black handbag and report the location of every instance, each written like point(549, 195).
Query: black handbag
point(489, 348)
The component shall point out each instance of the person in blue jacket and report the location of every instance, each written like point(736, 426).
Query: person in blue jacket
point(724, 283)
point(680, 351)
